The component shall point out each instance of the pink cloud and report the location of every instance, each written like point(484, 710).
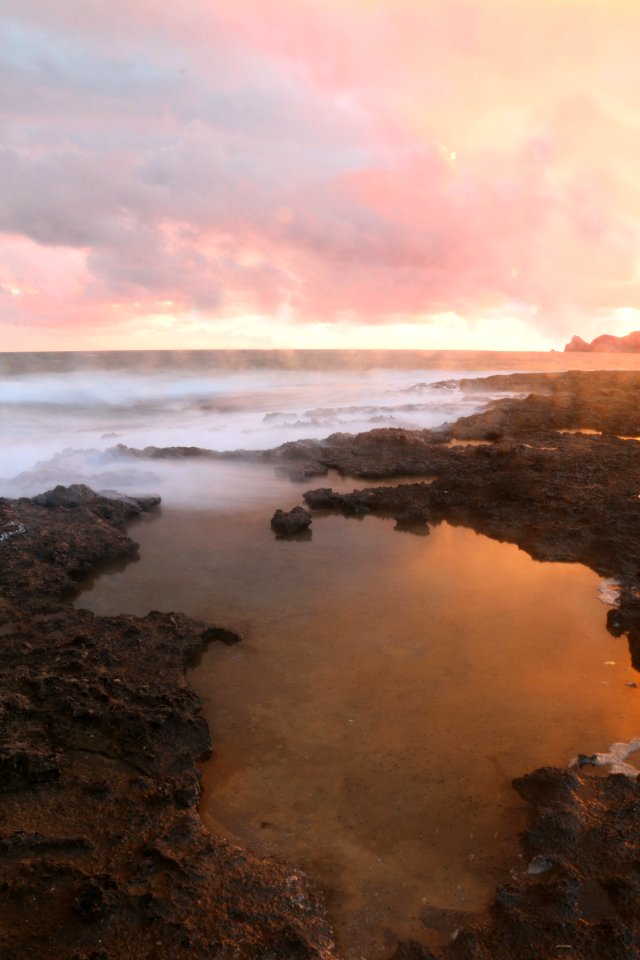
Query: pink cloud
point(362, 159)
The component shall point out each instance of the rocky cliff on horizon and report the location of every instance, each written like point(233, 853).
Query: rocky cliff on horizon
point(606, 343)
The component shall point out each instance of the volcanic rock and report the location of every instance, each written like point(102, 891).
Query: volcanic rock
point(292, 521)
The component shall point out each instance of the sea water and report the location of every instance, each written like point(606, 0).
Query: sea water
point(74, 410)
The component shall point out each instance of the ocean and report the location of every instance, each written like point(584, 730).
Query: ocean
point(63, 415)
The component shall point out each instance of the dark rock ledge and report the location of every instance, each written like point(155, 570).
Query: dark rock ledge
point(102, 853)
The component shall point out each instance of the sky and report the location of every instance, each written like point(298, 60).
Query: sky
point(318, 173)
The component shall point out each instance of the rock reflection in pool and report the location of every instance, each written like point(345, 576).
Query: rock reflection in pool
point(387, 690)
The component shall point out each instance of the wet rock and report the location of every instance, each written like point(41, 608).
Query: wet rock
point(323, 498)
point(545, 785)
point(557, 828)
point(78, 494)
point(71, 496)
point(292, 521)
point(141, 504)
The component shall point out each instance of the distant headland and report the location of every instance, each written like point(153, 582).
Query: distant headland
point(606, 343)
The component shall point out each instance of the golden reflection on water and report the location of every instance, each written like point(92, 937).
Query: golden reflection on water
point(469, 443)
point(387, 690)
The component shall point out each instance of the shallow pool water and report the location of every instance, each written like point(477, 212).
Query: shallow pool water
point(387, 690)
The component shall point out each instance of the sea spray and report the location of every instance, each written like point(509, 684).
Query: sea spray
point(59, 426)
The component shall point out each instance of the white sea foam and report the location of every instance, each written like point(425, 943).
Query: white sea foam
point(60, 426)
point(609, 591)
point(616, 758)
point(11, 529)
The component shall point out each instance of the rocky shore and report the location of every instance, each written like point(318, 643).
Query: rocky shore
point(105, 856)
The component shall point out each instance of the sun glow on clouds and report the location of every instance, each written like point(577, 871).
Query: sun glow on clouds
point(362, 173)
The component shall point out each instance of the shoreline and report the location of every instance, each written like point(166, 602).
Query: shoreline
point(530, 485)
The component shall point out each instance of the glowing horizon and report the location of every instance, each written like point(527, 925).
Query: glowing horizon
point(364, 173)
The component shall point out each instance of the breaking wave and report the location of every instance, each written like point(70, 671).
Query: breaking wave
point(61, 423)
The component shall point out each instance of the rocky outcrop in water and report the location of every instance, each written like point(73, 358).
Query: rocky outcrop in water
point(289, 522)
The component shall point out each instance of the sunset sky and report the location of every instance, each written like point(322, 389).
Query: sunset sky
point(318, 173)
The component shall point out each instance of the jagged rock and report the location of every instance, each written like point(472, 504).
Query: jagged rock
point(323, 497)
point(292, 521)
point(577, 345)
point(141, 503)
point(79, 495)
point(75, 495)
point(545, 785)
